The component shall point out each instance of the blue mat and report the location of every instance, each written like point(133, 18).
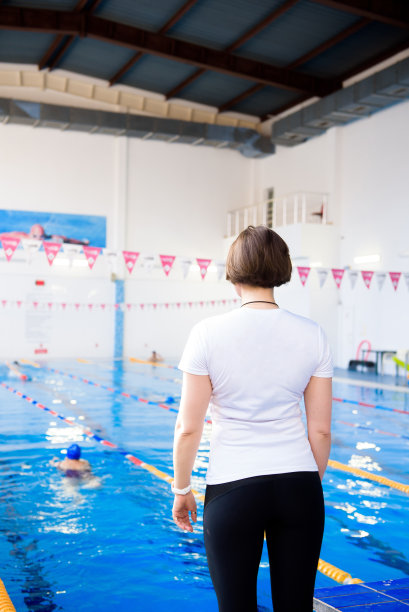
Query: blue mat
point(383, 596)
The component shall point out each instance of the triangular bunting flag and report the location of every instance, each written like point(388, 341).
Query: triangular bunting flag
point(367, 277)
point(148, 262)
point(185, 263)
point(406, 277)
point(353, 277)
point(167, 263)
point(91, 253)
point(131, 257)
point(380, 279)
point(111, 257)
point(338, 275)
point(51, 250)
point(203, 265)
point(303, 271)
point(30, 246)
point(322, 276)
point(9, 245)
point(72, 251)
point(395, 277)
point(220, 267)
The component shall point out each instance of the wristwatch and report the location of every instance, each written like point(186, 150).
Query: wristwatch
point(184, 491)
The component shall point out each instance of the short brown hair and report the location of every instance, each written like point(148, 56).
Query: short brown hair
point(259, 257)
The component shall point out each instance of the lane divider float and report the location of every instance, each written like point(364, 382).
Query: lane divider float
point(393, 484)
point(367, 405)
point(136, 398)
point(332, 463)
point(324, 567)
point(90, 434)
point(373, 430)
point(6, 604)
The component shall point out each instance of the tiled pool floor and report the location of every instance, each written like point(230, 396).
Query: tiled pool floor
point(383, 596)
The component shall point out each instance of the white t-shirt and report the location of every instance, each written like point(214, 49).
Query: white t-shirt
point(259, 363)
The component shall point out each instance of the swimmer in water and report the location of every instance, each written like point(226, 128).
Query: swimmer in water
point(73, 466)
point(155, 357)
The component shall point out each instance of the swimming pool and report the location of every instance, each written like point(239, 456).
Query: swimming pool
point(115, 547)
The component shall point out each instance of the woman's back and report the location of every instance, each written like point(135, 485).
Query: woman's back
point(259, 362)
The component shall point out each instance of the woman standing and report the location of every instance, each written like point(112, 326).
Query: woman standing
point(253, 365)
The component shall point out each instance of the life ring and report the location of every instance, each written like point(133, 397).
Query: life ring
point(358, 352)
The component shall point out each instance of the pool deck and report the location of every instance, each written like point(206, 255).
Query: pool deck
point(368, 379)
point(382, 596)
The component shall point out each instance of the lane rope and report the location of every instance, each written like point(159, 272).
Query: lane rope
point(393, 484)
point(324, 567)
point(337, 465)
point(373, 430)
point(90, 434)
point(367, 405)
point(136, 398)
point(6, 604)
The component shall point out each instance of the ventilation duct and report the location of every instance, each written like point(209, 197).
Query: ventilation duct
point(362, 99)
point(246, 141)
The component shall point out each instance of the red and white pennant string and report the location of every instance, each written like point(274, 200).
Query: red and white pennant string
point(106, 307)
point(52, 249)
point(366, 275)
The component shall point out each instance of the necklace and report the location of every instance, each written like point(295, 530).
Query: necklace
point(259, 302)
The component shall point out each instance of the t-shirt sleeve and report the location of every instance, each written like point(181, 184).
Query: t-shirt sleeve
point(193, 359)
point(324, 367)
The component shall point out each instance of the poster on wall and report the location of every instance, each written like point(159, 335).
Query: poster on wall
point(55, 227)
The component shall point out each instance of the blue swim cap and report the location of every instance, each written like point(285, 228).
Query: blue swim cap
point(74, 452)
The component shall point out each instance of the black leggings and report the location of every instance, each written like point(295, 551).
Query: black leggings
point(289, 509)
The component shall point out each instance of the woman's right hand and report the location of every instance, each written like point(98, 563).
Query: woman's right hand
point(182, 505)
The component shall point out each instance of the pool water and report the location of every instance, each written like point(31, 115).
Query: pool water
point(114, 546)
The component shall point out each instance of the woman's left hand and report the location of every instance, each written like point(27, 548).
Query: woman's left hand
point(182, 505)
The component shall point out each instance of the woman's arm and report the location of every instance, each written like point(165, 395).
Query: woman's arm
point(196, 393)
point(318, 404)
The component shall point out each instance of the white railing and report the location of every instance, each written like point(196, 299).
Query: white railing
point(303, 207)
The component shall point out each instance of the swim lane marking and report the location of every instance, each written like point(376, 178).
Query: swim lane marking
point(176, 380)
point(207, 419)
point(324, 567)
point(332, 463)
point(143, 400)
point(90, 434)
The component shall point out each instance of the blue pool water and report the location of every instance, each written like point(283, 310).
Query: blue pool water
point(116, 547)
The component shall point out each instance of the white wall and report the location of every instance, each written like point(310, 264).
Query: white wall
point(157, 197)
point(173, 199)
point(363, 167)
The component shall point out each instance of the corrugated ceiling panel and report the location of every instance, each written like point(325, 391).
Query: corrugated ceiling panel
point(143, 14)
point(156, 74)
point(373, 39)
point(23, 47)
point(214, 88)
point(95, 58)
point(58, 5)
point(302, 28)
point(265, 101)
point(218, 23)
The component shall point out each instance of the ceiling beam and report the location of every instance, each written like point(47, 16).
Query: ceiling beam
point(331, 42)
point(81, 24)
point(303, 59)
point(392, 12)
point(46, 59)
point(240, 97)
point(237, 43)
point(373, 61)
point(381, 57)
point(168, 25)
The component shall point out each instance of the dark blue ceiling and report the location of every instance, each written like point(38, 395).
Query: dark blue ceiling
point(302, 27)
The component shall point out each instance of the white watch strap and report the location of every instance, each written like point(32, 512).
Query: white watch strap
point(184, 491)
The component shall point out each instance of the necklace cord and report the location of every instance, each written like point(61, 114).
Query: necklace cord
point(259, 302)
